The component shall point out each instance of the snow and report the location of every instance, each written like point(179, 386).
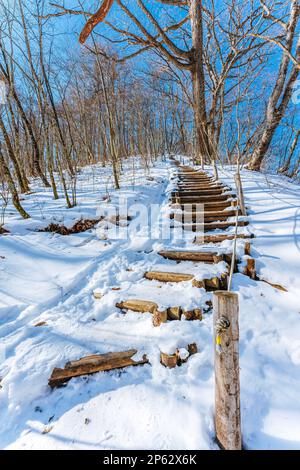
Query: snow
point(50, 278)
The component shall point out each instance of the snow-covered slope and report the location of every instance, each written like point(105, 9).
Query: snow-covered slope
point(50, 278)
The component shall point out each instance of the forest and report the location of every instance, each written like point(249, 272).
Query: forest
point(190, 107)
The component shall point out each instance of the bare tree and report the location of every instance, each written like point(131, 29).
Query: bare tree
point(286, 77)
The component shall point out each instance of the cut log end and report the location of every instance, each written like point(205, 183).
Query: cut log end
point(180, 357)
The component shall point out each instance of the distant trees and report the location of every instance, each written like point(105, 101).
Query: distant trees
point(63, 113)
point(217, 80)
point(221, 47)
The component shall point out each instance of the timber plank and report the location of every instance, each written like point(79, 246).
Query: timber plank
point(207, 257)
point(167, 276)
point(196, 256)
point(92, 364)
point(136, 305)
point(219, 238)
point(205, 192)
point(207, 227)
point(212, 206)
point(210, 284)
point(199, 198)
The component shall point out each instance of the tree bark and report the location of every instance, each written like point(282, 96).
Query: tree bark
point(282, 92)
point(12, 187)
point(285, 168)
point(203, 150)
point(23, 186)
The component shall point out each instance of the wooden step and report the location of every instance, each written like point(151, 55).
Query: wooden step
point(207, 216)
point(167, 276)
point(197, 256)
point(200, 199)
point(210, 285)
point(192, 171)
point(173, 360)
point(204, 191)
point(193, 175)
point(219, 238)
point(135, 305)
point(159, 317)
point(207, 206)
point(213, 284)
point(189, 217)
point(199, 192)
point(207, 187)
point(208, 227)
point(92, 364)
point(195, 181)
point(204, 198)
point(185, 179)
point(190, 208)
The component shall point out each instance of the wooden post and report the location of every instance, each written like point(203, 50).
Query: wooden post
point(250, 269)
point(239, 188)
point(248, 248)
point(227, 381)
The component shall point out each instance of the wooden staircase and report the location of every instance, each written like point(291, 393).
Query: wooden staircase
point(197, 196)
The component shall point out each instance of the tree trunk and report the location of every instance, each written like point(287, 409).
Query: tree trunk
point(282, 92)
point(285, 168)
point(264, 144)
point(22, 183)
point(12, 187)
point(198, 82)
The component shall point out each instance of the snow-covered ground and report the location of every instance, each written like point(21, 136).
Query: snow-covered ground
point(46, 277)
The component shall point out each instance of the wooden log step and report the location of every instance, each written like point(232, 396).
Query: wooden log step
point(219, 238)
point(190, 217)
point(198, 184)
point(207, 206)
point(183, 174)
point(192, 181)
point(179, 357)
point(159, 317)
point(141, 306)
point(195, 178)
point(206, 257)
point(207, 227)
point(92, 364)
point(205, 187)
point(210, 284)
point(203, 199)
point(207, 223)
point(215, 200)
point(198, 181)
point(167, 277)
point(198, 256)
point(200, 192)
point(213, 284)
point(186, 169)
point(194, 174)
point(193, 213)
point(219, 218)
point(200, 220)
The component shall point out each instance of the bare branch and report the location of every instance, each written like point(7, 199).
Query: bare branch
point(97, 18)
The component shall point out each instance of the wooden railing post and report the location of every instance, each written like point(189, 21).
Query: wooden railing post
point(239, 187)
point(227, 381)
